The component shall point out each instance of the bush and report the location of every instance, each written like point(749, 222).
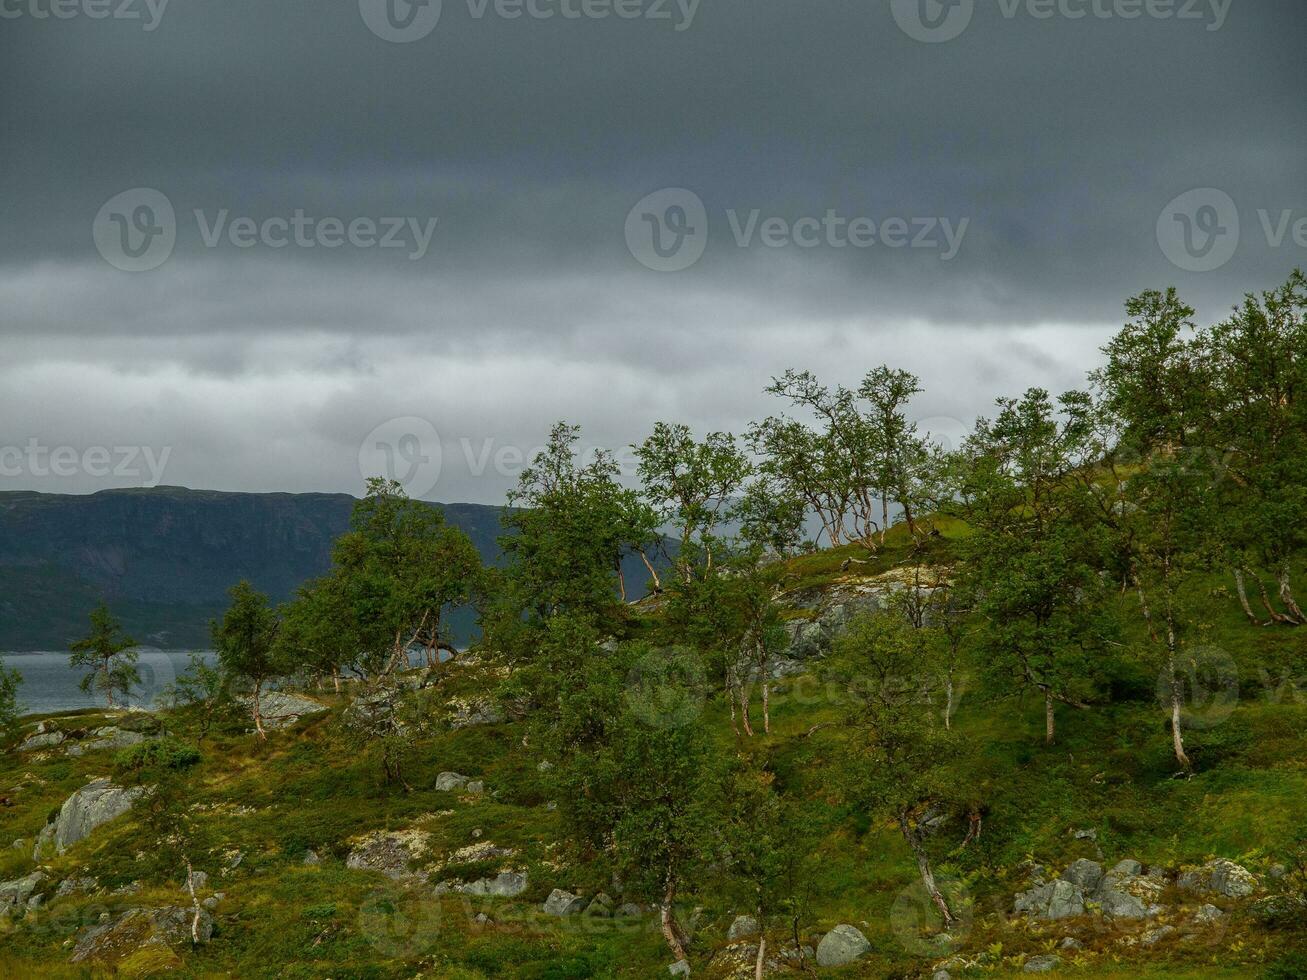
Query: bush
point(163, 754)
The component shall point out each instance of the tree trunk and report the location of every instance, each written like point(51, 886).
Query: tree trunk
point(1048, 716)
point(762, 953)
point(1243, 597)
point(258, 713)
point(1276, 615)
point(923, 866)
point(658, 585)
point(1177, 738)
point(195, 904)
point(1286, 596)
point(766, 706)
point(948, 702)
point(744, 708)
point(732, 695)
point(671, 930)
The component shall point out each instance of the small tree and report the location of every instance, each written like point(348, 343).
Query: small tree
point(902, 760)
point(201, 689)
point(109, 655)
point(9, 682)
point(244, 640)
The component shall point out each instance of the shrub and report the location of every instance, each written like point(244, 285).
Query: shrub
point(162, 754)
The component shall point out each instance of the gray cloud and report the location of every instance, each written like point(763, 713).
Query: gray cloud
point(1059, 141)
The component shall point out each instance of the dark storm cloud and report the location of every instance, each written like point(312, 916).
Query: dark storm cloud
point(1058, 141)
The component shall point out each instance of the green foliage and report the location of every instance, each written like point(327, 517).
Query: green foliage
point(110, 656)
point(9, 683)
point(147, 760)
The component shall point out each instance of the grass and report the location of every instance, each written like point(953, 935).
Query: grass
point(1110, 770)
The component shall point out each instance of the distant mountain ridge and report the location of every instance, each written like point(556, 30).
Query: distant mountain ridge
point(164, 557)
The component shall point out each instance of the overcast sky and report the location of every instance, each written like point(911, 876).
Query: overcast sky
point(1039, 164)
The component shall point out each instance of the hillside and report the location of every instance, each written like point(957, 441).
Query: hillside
point(315, 868)
point(165, 557)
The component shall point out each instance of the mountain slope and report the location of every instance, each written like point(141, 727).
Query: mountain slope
point(164, 557)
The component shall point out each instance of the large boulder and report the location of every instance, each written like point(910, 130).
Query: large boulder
point(42, 740)
point(1084, 874)
point(161, 930)
point(1042, 964)
point(279, 709)
point(1219, 877)
point(1054, 900)
point(744, 925)
point(560, 902)
point(448, 781)
point(95, 804)
point(15, 895)
point(842, 945)
point(109, 737)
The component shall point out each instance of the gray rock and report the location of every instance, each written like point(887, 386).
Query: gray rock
point(382, 852)
point(1116, 904)
point(744, 925)
point(1221, 877)
point(19, 844)
point(1070, 942)
point(138, 929)
point(1208, 914)
point(560, 902)
point(95, 804)
point(679, 969)
point(600, 907)
point(1277, 871)
point(481, 711)
point(842, 945)
point(211, 902)
point(280, 709)
point(42, 740)
point(311, 857)
point(1084, 874)
point(1042, 964)
point(199, 880)
point(1055, 900)
point(73, 886)
point(506, 884)
point(1155, 936)
point(109, 738)
point(17, 894)
point(941, 975)
point(1087, 834)
point(629, 910)
point(448, 781)
point(1127, 867)
point(476, 786)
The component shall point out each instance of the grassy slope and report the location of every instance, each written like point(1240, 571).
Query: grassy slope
point(1110, 770)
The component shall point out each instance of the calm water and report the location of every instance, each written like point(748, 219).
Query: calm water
point(49, 684)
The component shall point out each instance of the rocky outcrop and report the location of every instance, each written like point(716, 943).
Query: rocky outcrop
point(109, 737)
point(448, 781)
point(744, 925)
point(474, 711)
point(390, 853)
point(1219, 877)
point(1042, 964)
point(95, 804)
point(1052, 900)
point(17, 894)
point(842, 945)
point(829, 610)
point(280, 709)
point(137, 929)
point(506, 884)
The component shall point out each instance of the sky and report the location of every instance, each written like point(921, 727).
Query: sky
point(254, 245)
